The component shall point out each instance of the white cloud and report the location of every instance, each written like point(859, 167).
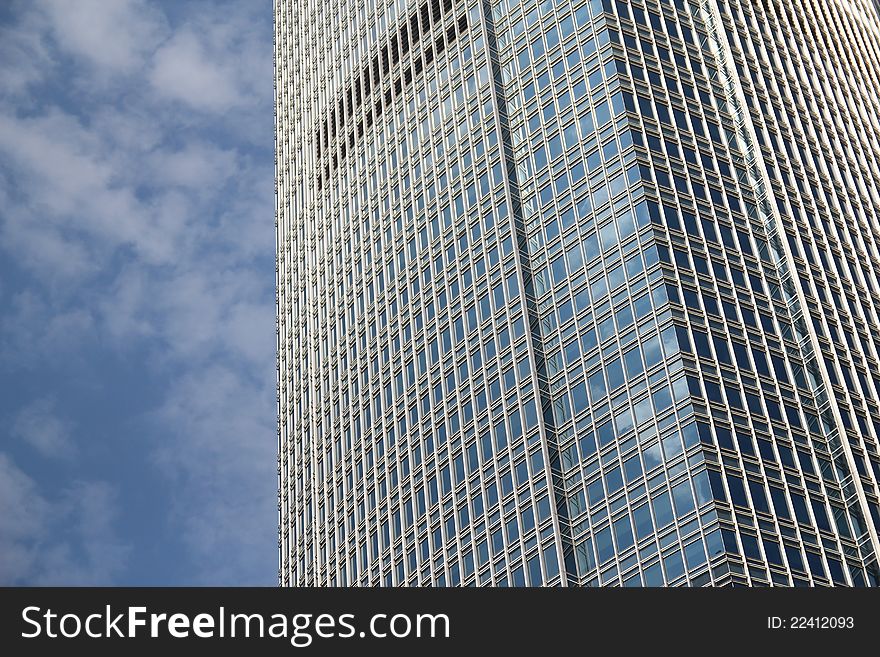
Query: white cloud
point(33, 330)
point(183, 70)
point(138, 213)
point(46, 248)
point(22, 517)
point(79, 195)
point(65, 188)
point(197, 311)
point(222, 447)
point(196, 166)
point(93, 553)
point(24, 45)
point(40, 426)
point(68, 540)
point(214, 62)
point(115, 36)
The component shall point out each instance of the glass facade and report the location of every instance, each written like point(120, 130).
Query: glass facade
point(578, 292)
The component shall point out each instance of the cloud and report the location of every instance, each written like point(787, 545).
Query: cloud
point(196, 166)
point(24, 45)
point(136, 206)
point(69, 540)
point(22, 514)
point(183, 70)
point(210, 63)
point(34, 330)
point(112, 36)
point(39, 425)
point(224, 430)
point(60, 203)
point(68, 209)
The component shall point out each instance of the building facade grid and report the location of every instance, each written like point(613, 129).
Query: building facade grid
point(578, 292)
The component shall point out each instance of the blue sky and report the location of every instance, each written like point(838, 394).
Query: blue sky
point(136, 293)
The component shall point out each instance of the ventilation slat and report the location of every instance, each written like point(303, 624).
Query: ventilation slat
point(339, 122)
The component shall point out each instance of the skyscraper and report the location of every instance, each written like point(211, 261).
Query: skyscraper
point(578, 292)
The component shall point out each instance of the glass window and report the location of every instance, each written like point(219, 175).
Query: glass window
point(662, 509)
point(673, 565)
point(633, 361)
point(614, 370)
point(644, 522)
point(683, 498)
point(654, 575)
point(623, 533)
point(695, 554)
point(632, 468)
point(584, 556)
point(595, 492)
point(597, 386)
point(614, 480)
point(604, 545)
